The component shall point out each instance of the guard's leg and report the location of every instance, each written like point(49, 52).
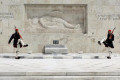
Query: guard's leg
point(100, 42)
point(109, 52)
point(17, 51)
point(23, 44)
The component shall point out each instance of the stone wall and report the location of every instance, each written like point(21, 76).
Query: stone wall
point(95, 17)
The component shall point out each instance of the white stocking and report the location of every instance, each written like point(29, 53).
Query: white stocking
point(102, 40)
point(109, 51)
point(17, 50)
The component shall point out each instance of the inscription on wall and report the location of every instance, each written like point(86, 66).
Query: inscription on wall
point(6, 16)
point(109, 17)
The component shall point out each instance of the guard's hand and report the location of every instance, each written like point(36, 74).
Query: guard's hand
point(8, 43)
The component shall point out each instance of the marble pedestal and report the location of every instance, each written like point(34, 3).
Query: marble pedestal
point(56, 48)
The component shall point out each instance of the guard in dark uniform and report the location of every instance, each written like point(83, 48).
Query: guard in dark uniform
point(108, 42)
point(17, 42)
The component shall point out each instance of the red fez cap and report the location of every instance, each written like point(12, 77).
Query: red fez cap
point(16, 29)
point(109, 30)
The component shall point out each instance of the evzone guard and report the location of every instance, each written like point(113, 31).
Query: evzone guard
point(17, 42)
point(108, 42)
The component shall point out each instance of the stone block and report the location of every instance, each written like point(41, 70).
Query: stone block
point(55, 49)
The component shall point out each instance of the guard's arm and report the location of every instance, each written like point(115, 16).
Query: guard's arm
point(11, 39)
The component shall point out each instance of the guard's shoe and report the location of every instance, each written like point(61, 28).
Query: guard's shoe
point(99, 43)
point(17, 57)
point(108, 57)
point(25, 45)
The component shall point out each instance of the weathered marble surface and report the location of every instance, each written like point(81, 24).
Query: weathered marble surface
point(96, 26)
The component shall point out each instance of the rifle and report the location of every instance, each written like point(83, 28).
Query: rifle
point(112, 33)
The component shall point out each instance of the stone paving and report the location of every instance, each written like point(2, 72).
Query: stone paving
point(61, 56)
point(59, 65)
point(59, 69)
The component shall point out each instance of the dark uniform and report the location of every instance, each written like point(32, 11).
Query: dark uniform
point(16, 37)
point(109, 42)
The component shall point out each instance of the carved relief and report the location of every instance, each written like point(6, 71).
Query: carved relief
point(53, 22)
point(53, 19)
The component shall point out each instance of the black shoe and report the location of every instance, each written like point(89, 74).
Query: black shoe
point(99, 43)
point(25, 45)
point(108, 57)
point(17, 57)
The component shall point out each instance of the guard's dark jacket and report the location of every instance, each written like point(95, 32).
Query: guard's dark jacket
point(109, 42)
point(14, 36)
